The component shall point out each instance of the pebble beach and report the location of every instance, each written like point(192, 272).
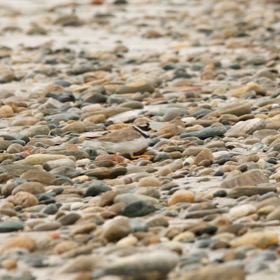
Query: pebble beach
point(201, 201)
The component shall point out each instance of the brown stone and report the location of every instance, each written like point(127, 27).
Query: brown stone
point(80, 264)
point(274, 215)
point(25, 242)
point(250, 191)
point(30, 187)
point(84, 228)
point(65, 246)
point(243, 128)
point(14, 170)
point(6, 74)
point(69, 218)
point(41, 176)
point(84, 275)
point(185, 237)
point(272, 124)
point(38, 130)
point(116, 229)
point(181, 196)
point(251, 86)
point(6, 111)
point(169, 130)
point(249, 178)
point(237, 109)
point(94, 119)
point(139, 86)
point(262, 239)
point(106, 173)
point(9, 264)
point(75, 127)
point(215, 273)
point(154, 265)
point(107, 198)
point(24, 121)
point(203, 155)
point(149, 181)
point(47, 226)
point(24, 199)
point(39, 159)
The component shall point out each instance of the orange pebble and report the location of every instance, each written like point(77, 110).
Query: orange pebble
point(9, 264)
point(54, 235)
point(97, 2)
point(181, 196)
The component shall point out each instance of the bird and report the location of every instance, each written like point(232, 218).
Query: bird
point(130, 141)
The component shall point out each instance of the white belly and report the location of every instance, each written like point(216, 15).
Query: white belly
point(127, 147)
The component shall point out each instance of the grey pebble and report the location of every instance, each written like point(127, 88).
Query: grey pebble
point(205, 132)
point(69, 219)
point(11, 225)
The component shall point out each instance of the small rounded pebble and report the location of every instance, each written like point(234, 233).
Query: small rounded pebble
point(181, 196)
point(116, 229)
point(9, 264)
point(24, 199)
point(149, 181)
point(30, 187)
point(6, 111)
point(64, 246)
point(25, 242)
point(259, 239)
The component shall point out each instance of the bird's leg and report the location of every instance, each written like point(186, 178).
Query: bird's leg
point(144, 156)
